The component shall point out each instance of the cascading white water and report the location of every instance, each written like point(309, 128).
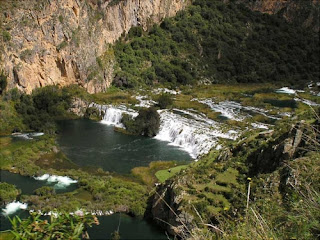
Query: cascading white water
point(233, 110)
point(194, 136)
point(112, 115)
point(61, 181)
point(228, 109)
point(195, 133)
point(13, 207)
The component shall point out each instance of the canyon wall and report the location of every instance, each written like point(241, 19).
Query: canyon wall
point(301, 12)
point(63, 42)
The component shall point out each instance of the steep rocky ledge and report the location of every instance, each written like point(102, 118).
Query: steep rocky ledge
point(66, 41)
point(169, 207)
point(302, 12)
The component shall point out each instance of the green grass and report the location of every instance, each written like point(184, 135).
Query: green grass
point(228, 177)
point(114, 96)
point(163, 175)
point(23, 154)
point(147, 175)
point(9, 119)
point(6, 235)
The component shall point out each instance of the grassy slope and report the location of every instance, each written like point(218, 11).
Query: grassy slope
point(283, 204)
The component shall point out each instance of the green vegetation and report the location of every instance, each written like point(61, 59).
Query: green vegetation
point(45, 191)
point(163, 175)
point(219, 43)
point(165, 101)
point(21, 155)
point(147, 123)
point(148, 175)
point(10, 120)
point(64, 226)
point(62, 45)
point(114, 96)
point(43, 106)
point(6, 36)
point(284, 198)
point(8, 192)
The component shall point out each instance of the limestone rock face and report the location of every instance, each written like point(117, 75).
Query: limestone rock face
point(79, 107)
point(287, 146)
point(166, 211)
point(65, 42)
point(301, 12)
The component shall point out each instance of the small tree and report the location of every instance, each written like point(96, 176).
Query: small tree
point(45, 191)
point(165, 100)
point(147, 123)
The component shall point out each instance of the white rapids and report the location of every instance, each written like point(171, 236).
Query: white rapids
point(61, 181)
point(233, 110)
point(195, 133)
point(194, 136)
point(112, 115)
point(14, 207)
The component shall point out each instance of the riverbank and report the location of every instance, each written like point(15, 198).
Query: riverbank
point(207, 113)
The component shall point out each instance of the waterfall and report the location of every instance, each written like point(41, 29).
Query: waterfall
point(194, 136)
point(192, 132)
point(112, 115)
point(234, 110)
point(228, 109)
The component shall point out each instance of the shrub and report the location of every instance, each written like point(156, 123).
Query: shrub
point(45, 191)
point(6, 36)
point(8, 192)
point(147, 123)
point(165, 101)
point(42, 107)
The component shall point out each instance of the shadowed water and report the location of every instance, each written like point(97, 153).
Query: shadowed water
point(89, 143)
point(27, 185)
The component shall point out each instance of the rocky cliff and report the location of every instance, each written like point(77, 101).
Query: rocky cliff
point(64, 42)
point(301, 12)
point(207, 188)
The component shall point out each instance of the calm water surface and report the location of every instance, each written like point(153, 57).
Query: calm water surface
point(89, 143)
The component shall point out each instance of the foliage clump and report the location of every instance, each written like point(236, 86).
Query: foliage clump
point(8, 192)
point(61, 226)
point(45, 191)
point(147, 123)
point(165, 101)
point(43, 106)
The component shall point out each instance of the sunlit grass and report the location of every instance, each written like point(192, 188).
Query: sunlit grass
point(163, 175)
point(147, 174)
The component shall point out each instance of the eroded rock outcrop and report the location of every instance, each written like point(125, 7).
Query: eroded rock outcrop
point(175, 204)
point(166, 210)
point(63, 42)
point(301, 12)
